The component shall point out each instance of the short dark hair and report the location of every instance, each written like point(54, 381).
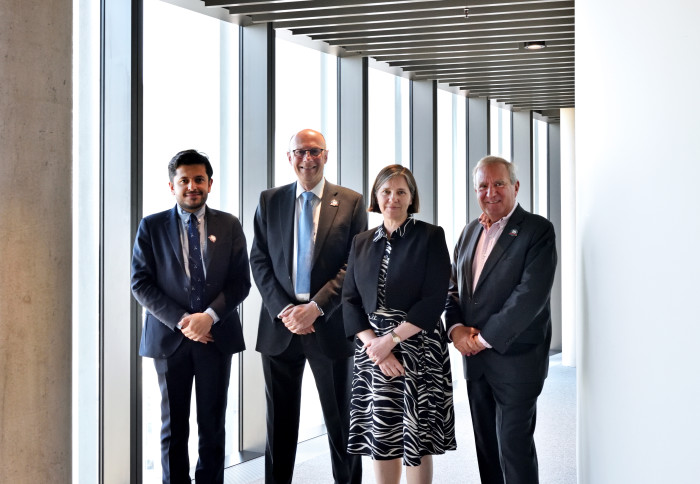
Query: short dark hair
point(387, 173)
point(189, 157)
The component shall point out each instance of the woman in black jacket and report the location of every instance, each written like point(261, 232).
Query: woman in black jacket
point(393, 295)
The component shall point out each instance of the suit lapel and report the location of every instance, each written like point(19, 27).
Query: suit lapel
point(212, 223)
point(172, 231)
point(510, 232)
point(285, 215)
point(329, 209)
point(471, 249)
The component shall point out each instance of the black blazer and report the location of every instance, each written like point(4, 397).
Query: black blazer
point(342, 216)
point(417, 277)
point(510, 304)
point(160, 284)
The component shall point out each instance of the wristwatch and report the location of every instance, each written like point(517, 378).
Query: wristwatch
point(395, 337)
point(320, 311)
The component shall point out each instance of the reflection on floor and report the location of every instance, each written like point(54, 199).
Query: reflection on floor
point(555, 438)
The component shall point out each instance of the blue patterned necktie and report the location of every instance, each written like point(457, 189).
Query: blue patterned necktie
point(194, 260)
point(305, 244)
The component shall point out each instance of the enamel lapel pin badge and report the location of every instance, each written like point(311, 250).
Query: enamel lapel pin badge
point(513, 232)
point(334, 203)
point(212, 238)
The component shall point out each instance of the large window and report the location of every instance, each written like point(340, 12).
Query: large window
point(500, 131)
point(86, 239)
point(452, 175)
point(190, 100)
point(306, 96)
point(540, 189)
point(389, 125)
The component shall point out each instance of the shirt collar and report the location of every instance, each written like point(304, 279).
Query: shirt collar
point(500, 223)
point(185, 215)
point(400, 232)
point(317, 190)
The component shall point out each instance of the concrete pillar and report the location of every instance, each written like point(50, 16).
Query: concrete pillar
point(352, 124)
point(521, 149)
point(638, 232)
point(257, 169)
point(35, 279)
point(424, 146)
point(477, 146)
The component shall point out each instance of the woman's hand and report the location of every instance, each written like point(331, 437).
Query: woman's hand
point(378, 349)
point(391, 366)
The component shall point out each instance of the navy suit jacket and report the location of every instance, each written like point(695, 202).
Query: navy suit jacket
point(342, 216)
point(160, 284)
point(510, 304)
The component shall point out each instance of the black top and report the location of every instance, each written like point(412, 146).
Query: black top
point(417, 276)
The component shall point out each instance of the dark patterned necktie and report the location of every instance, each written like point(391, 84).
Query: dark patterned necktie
point(305, 246)
point(194, 260)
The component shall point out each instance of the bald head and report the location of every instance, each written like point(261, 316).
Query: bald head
point(308, 156)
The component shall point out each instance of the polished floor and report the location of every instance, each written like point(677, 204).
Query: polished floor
point(555, 438)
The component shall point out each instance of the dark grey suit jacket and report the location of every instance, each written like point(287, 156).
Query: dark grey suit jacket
point(510, 304)
point(342, 215)
point(160, 284)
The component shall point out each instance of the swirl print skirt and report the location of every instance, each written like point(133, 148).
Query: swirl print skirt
point(409, 416)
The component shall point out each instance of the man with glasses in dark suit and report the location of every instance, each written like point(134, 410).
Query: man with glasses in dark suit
point(302, 238)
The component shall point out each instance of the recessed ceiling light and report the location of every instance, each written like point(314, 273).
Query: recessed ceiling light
point(536, 45)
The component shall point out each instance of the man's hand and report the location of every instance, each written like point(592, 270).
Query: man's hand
point(466, 340)
point(197, 327)
point(485, 221)
point(300, 319)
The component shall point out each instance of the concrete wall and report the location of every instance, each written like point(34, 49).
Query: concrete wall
point(35, 243)
point(638, 230)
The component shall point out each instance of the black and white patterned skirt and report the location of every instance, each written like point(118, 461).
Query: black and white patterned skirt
point(408, 416)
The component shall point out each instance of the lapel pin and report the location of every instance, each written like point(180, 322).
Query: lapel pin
point(334, 203)
point(513, 232)
point(212, 238)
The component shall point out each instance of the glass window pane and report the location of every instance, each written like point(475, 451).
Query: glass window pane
point(389, 138)
point(452, 173)
point(306, 97)
point(86, 239)
point(500, 126)
point(540, 160)
point(190, 100)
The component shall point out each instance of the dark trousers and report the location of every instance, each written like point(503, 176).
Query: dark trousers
point(283, 375)
point(503, 417)
point(210, 370)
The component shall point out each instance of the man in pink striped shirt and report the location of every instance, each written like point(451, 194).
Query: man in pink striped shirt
point(498, 317)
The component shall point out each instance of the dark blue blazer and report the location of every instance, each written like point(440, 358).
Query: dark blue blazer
point(342, 216)
point(417, 278)
point(510, 304)
point(160, 284)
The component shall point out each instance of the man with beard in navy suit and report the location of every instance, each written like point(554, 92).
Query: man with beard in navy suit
point(190, 272)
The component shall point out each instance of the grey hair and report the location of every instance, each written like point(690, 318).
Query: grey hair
point(496, 160)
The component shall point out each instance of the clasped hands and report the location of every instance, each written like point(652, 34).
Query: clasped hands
point(466, 340)
point(197, 327)
point(300, 319)
point(379, 351)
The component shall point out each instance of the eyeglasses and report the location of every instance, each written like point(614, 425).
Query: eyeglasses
point(312, 152)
